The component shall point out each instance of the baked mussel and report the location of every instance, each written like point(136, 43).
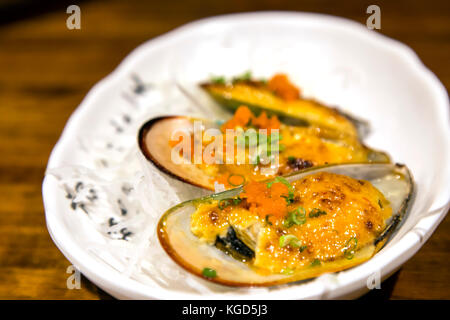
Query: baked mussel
point(320, 220)
point(262, 147)
point(280, 97)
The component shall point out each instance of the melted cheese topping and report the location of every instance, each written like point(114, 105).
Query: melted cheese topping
point(304, 143)
point(297, 148)
point(347, 214)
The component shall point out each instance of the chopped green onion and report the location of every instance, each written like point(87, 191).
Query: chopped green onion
point(281, 180)
point(223, 203)
point(240, 140)
point(302, 248)
point(290, 197)
point(316, 212)
point(315, 263)
point(287, 224)
point(355, 240)
point(349, 253)
point(300, 216)
point(245, 140)
point(218, 80)
point(209, 273)
point(291, 240)
point(246, 76)
point(297, 217)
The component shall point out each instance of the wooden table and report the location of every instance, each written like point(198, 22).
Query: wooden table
point(46, 70)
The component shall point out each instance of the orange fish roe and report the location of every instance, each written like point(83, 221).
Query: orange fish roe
point(283, 88)
point(266, 201)
point(264, 122)
point(221, 179)
point(243, 117)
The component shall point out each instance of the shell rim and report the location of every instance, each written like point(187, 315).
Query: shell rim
point(144, 129)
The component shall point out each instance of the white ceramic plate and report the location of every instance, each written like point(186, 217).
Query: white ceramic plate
point(334, 60)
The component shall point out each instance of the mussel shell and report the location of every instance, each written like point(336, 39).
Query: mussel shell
point(175, 236)
point(153, 140)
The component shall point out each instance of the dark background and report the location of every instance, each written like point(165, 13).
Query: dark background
point(46, 70)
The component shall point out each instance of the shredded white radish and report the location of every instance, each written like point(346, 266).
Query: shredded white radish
point(123, 196)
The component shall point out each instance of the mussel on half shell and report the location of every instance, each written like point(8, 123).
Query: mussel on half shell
point(359, 206)
point(301, 111)
point(304, 147)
